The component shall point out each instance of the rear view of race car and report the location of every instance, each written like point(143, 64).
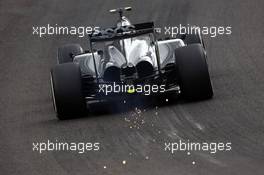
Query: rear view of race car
point(128, 60)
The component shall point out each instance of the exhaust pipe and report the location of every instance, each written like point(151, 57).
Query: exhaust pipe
point(144, 67)
point(112, 73)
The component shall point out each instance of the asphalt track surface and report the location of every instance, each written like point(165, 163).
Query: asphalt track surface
point(235, 114)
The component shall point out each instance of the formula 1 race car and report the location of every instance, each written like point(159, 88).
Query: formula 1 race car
point(128, 60)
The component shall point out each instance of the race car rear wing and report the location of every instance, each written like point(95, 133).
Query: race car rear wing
point(122, 32)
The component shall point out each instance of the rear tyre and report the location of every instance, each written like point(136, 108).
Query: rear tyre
point(67, 94)
point(193, 73)
point(67, 52)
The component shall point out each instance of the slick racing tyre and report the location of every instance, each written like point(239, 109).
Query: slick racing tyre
point(67, 52)
point(66, 86)
point(194, 79)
